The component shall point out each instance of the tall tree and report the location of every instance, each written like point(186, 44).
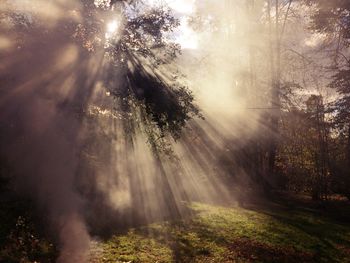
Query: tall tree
point(277, 16)
point(332, 19)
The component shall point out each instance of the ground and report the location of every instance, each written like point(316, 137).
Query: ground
point(264, 233)
point(283, 231)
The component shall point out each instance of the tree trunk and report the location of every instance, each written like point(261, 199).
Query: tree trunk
point(275, 64)
point(348, 150)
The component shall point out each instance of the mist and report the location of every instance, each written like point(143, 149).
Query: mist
point(107, 124)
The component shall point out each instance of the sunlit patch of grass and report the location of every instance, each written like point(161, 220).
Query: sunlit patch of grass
point(134, 247)
point(221, 234)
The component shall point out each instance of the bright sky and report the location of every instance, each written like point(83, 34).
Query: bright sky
point(186, 37)
point(182, 6)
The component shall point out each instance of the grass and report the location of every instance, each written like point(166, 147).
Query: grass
point(270, 232)
point(233, 234)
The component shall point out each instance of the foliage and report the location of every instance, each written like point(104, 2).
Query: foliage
point(140, 52)
point(21, 238)
point(303, 158)
point(332, 17)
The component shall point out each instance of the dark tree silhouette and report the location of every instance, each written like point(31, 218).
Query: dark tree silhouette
point(141, 53)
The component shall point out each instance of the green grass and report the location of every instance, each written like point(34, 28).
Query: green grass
point(232, 234)
point(264, 233)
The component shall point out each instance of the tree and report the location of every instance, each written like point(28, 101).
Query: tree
point(143, 53)
point(318, 127)
point(303, 155)
point(276, 34)
point(139, 89)
point(332, 19)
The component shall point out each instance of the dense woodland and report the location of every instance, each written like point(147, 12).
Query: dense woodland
point(110, 120)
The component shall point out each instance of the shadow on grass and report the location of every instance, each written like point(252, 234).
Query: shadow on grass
point(324, 226)
point(329, 237)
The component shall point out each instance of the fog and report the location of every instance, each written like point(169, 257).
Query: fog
point(93, 158)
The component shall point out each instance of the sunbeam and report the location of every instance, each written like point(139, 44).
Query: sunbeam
point(131, 116)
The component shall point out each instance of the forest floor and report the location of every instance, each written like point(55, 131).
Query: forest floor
point(287, 231)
